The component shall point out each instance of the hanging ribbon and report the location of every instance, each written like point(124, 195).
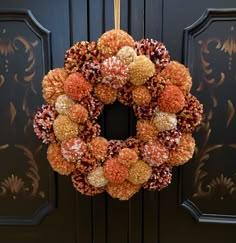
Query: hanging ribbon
point(117, 14)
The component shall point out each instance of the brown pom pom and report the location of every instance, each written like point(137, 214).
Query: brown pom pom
point(105, 93)
point(90, 130)
point(141, 95)
point(114, 147)
point(124, 94)
point(87, 163)
point(91, 70)
point(145, 111)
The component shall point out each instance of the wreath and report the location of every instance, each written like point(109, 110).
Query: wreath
point(138, 74)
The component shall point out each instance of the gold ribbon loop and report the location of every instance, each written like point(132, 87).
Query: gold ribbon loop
point(117, 14)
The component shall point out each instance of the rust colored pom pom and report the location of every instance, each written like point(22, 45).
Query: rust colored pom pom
point(78, 113)
point(170, 139)
point(164, 121)
point(178, 75)
point(91, 70)
point(141, 70)
point(93, 105)
point(57, 161)
point(126, 54)
point(155, 51)
point(122, 191)
point(98, 147)
point(80, 183)
point(171, 99)
point(183, 152)
point(77, 87)
point(73, 149)
point(191, 115)
point(141, 95)
point(127, 157)
point(53, 84)
point(114, 72)
point(146, 130)
point(145, 111)
point(64, 128)
point(112, 41)
point(124, 94)
point(43, 123)
point(87, 163)
point(90, 130)
point(79, 53)
point(154, 153)
point(63, 104)
point(139, 172)
point(114, 147)
point(96, 177)
point(160, 178)
point(114, 171)
point(105, 93)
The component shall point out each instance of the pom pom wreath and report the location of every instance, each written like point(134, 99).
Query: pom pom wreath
point(73, 149)
point(141, 95)
point(79, 53)
point(171, 99)
point(178, 75)
point(63, 104)
point(183, 152)
point(78, 113)
point(76, 86)
point(124, 94)
point(139, 173)
point(114, 72)
point(98, 147)
point(146, 130)
point(53, 84)
point(164, 121)
point(64, 128)
point(160, 178)
point(122, 191)
point(87, 163)
point(155, 51)
point(191, 115)
point(126, 54)
point(114, 171)
point(127, 157)
point(170, 138)
point(90, 130)
point(105, 93)
point(141, 70)
point(154, 153)
point(96, 177)
point(43, 123)
point(112, 41)
point(57, 161)
point(80, 183)
point(91, 70)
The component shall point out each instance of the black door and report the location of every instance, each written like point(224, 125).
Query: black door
point(37, 205)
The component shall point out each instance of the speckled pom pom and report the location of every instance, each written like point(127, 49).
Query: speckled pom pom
point(133, 143)
point(87, 163)
point(145, 111)
point(141, 95)
point(141, 70)
point(124, 94)
point(191, 115)
point(164, 121)
point(154, 153)
point(63, 104)
point(96, 177)
point(122, 191)
point(77, 113)
point(57, 161)
point(114, 147)
point(146, 130)
point(79, 53)
point(127, 157)
point(98, 147)
point(43, 123)
point(91, 70)
point(64, 128)
point(112, 41)
point(105, 93)
point(114, 72)
point(126, 54)
point(53, 84)
point(184, 150)
point(76, 86)
point(155, 51)
point(171, 99)
point(170, 138)
point(178, 75)
point(114, 171)
point(160, 178)
point(73, 149)
point(81, 185)
point(90, 130)
point(139, 172)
